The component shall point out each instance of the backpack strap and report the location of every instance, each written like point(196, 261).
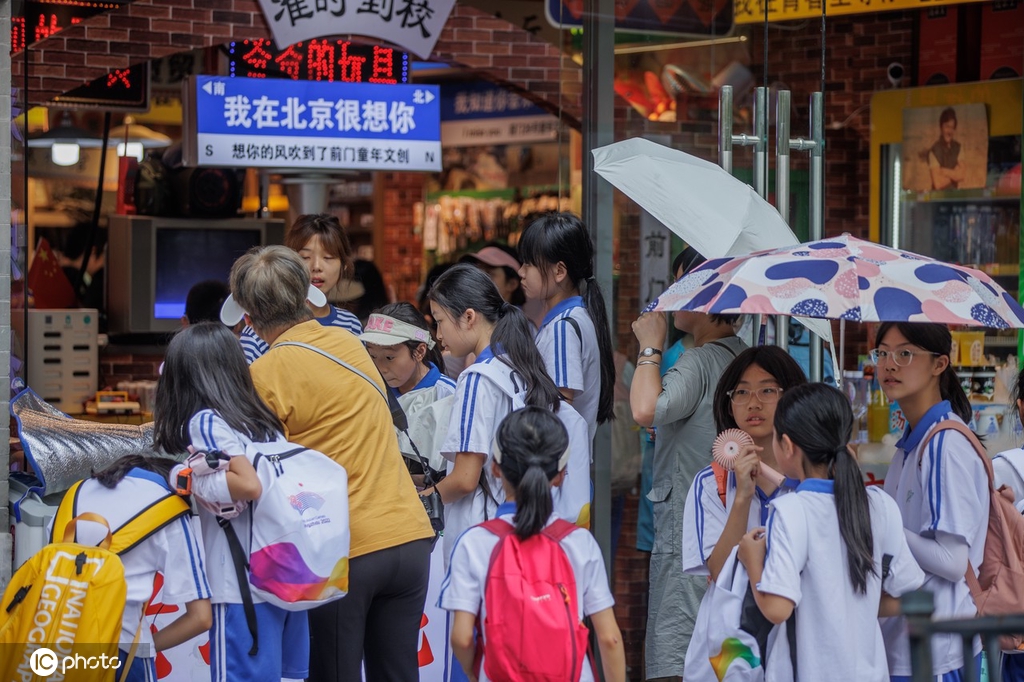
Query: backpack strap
point(351, 368)
point(954, 425)
point(721, 480)
point(240, 558)
point(65, 512)
point(559, 529)
point(568, 319)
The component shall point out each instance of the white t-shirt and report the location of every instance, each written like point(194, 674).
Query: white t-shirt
point(208, 432)
point(704, 516)
point(478, 408)
point(175, 550)
point(253, 346)
point(463, 586)
point(944, 488)
point(427, 409)
point(573, 359)
point(837, 628)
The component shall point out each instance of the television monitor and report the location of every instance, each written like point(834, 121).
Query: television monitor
point(153, 262)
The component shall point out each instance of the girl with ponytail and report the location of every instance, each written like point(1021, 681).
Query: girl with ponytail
point(530, 452)
point(472, 317)
point(831, 547)
point(574, 338)
point(938, 482)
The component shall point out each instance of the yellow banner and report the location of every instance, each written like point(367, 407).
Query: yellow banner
point(752, 11)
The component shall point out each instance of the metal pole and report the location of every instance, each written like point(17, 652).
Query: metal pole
point(817, 192)
point(782, 109)
point(598, 130)
point(761, 142)
point(6, 539)
point(725, 128)
point(918, 607)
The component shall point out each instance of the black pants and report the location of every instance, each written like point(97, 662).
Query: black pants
point(377, 621)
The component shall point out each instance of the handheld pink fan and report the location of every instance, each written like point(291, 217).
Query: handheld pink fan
point(726, 449)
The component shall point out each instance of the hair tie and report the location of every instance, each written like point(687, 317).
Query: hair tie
point(505, 307)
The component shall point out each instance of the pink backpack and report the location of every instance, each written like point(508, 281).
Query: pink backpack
point(999, 588)
point(532, 631)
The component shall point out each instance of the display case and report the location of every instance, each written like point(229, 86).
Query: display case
point(945, 179)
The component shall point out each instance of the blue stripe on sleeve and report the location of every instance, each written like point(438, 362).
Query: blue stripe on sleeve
point(468, 410)
point(564, 354)
point(448, 574)
point(202, 589)
point(768, 534)
point(698, 508)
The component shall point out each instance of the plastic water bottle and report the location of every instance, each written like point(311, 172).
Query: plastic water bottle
point(984, 667)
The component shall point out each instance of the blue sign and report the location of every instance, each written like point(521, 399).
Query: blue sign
point(310, 124)
point(476, 100)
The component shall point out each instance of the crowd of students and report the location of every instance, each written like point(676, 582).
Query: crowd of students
point(507, 440)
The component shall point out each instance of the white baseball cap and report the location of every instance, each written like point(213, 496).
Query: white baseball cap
point(231, 313)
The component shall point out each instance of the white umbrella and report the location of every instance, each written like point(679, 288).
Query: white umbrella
point(709, 209)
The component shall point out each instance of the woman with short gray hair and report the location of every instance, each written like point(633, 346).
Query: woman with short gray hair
point(327, 406)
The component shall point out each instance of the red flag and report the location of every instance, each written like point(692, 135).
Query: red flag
point(47, 281)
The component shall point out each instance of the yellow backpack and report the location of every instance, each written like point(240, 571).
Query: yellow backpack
point(69, 598)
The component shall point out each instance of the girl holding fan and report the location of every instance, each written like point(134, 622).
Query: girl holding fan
point(793, 565)
point(529, 454)
point(574, 338)
point(206, 402)
point(939, 484)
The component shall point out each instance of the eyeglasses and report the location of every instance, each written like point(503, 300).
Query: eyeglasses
point(902, 358)
point(768, 394)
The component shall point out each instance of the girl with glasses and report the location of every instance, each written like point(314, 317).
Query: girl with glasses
point(721, 506)
point(939, 484)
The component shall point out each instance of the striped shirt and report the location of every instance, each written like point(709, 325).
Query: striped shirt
point(253, 346)
point(572, 357)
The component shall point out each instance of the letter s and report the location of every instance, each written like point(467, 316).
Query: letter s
point(209, 150)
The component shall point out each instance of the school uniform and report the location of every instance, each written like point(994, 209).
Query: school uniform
point(943, 487)
point(572, 357)
point(477, 410)
point(1008, 470)
point(283, 635)
point(174, 550)
point(704, 516)
point(466, 578)
point(427, 408)
point(254, 347)
point(837, 631)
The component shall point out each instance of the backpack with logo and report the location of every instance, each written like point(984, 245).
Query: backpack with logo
point(532, 629)
point(70, 594)
point(297, 556)
point(571, 499)
point(998, 589)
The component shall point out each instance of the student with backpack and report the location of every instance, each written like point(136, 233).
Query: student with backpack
point(113, 533)
point(831, 548)
point(206, 402)
point(322, 243)
point(525, 580)
point(939, 483)
point(574, 338)
point(399, 343)
point(508, 372)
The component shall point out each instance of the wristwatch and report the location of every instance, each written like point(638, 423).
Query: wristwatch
point(648, 352)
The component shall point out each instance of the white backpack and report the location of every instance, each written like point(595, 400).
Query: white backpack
point(572, 499)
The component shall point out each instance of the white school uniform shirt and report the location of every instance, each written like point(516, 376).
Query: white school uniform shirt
point(1008, 470)
point(208, 431)
point(704, 516)
point(837, 628)
point(427, 408)
point(573, 360)
point(466, 577)
point(174, 550)
point(944, 488)
point(254, 347)
point(477, 410)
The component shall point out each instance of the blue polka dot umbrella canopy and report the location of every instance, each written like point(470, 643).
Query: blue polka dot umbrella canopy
point(844, 278)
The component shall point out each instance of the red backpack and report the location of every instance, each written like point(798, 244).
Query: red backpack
point(999, 588)
point(532, 631)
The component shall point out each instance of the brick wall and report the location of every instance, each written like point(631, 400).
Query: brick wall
point(120, 364)
point(398, 246)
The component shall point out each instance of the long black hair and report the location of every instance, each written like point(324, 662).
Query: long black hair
point(562, 237)
point(205, 369)
point(115, 472)
point(934, 338)
point(407, 312)
point(465, 287)
point(819, 420)
point(772, 359)
point(531, 441)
